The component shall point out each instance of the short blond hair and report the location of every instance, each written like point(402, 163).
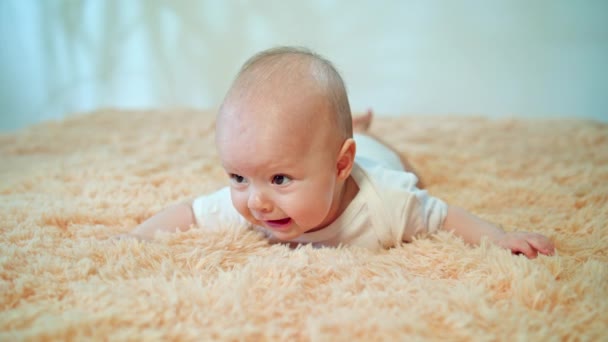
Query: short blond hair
point(287, 58)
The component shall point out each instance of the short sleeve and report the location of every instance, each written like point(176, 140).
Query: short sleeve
point(412, 211)
point(215, 210)
point(422, 214)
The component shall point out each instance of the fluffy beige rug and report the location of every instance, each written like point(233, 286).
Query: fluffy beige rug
point(68, 186)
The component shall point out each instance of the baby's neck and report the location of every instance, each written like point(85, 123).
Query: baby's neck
point(350, 191)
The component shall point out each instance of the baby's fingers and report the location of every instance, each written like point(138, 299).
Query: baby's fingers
point(519, 246)
point(541, 243)
point(522, 247)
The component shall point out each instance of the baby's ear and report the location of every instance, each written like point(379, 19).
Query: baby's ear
point(346, 158)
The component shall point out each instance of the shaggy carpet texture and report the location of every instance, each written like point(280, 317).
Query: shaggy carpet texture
point(66, 187)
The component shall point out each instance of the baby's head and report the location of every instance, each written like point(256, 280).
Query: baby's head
point(284, 136)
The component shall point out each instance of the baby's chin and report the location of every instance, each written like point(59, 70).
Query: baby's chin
point(284, 232)
point(285, 235)
point(291, 234)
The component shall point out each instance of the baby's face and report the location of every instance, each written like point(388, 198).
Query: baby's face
point(282, 169)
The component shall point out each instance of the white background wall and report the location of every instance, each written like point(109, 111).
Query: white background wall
point(496, 58)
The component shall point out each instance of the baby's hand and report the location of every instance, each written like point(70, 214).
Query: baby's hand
point(529, 244)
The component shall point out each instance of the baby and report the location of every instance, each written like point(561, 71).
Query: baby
point(285, 139)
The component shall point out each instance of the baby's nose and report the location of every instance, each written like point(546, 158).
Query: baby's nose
point(258, 202)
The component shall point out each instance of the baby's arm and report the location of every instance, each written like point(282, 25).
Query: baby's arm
point(179, 216)
point(472, 229)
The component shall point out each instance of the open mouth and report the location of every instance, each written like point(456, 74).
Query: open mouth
point(279, 224)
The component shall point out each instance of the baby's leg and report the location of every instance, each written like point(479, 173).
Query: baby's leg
point(361, 125)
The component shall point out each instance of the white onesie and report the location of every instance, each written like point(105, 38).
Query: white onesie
point(387, 210)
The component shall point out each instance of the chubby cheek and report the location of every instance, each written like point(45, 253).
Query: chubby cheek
point(239, 201)
point(310, 207)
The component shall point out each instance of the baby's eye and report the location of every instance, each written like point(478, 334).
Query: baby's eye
point(280, 179)
point(237, 178)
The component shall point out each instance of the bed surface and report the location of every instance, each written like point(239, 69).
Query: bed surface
point(65, 187)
